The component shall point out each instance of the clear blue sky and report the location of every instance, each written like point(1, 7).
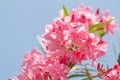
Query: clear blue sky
point(22, 20)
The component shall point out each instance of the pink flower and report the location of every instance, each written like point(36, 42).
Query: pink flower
point(62, 35)
point(36, 67)
point(93, 47)
point(84, 15)
point(69, 35)
point(100, 70)
point(112, 73)
point(111, 26)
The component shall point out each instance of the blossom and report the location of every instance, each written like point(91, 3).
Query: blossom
point(36, 67)
point(84, 15)
point(70, 36)
point(111, 26)
point(94, 47)
point(112, 73)
point(100, 70)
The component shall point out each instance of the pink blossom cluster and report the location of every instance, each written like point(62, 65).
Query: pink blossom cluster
point(36, 67)
point(68, 41)
point(112, 73)
point(69, 35)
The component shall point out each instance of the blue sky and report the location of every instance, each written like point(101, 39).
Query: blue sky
point(22, 20)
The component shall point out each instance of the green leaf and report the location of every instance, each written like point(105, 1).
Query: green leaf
point(76, 75)
point(65, 11)
point(87, 74)
point(87, 71)
point(87, 79)
point(100, 32)
point(119, 38)
point(98, 26)
point(115, 52)
point(118, 59)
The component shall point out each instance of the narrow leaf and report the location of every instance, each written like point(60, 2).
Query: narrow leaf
point(65, 11)
point(100, 32)
point(87, 71)
point(118, 59)
point(87, 79)
point(115, 52)
point(76, 75)
point(119, 38)
point(98, 26)
point(87, 74)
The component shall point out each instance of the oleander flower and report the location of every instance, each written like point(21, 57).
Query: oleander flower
point(69, 35)
point(112, 73)
point(111, 26)
point(36, 67)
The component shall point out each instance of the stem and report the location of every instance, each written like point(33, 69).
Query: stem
point(84, 73)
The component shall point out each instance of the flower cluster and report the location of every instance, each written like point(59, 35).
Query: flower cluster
point(112, 73)
point(71, 38)
point(35, 67)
